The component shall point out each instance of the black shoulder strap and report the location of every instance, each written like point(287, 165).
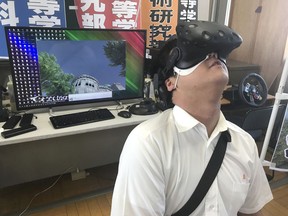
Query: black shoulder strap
point(207, 177)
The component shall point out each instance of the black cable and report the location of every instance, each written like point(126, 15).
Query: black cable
point(48, 188)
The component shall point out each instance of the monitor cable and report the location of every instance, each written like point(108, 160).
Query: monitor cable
point(43, 191)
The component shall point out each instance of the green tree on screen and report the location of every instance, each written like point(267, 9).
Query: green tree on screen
point(116, 52)
point(53, 80)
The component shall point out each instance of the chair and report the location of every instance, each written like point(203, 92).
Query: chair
point(255, 120)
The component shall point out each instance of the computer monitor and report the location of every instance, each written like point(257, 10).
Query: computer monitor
point(56, 66)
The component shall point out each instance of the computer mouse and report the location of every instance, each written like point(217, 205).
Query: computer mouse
point(124, 114)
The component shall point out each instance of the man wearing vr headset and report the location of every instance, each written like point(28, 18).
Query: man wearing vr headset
point(163, 159)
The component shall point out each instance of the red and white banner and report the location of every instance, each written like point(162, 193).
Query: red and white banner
point(103, 14)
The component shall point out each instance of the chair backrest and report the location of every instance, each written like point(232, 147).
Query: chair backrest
point(256, 120)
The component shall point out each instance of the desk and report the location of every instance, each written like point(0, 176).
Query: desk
point(48, 152)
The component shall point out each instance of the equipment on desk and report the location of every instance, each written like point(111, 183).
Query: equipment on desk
point(12, 122)
point(145, 107)
point(124, 114)
point(26, 119)
point(73, 119)
point(17, 131)
point(252, 90)
point(5, 72)
point(4, 114)
point(237, 70)
point(11, 94)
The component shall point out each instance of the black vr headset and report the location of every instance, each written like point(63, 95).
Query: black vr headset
point(193, 41)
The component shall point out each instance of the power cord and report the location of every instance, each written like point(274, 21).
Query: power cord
point(118, 107)
point(43, 191)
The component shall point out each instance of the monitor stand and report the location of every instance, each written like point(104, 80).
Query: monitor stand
point(51, 113)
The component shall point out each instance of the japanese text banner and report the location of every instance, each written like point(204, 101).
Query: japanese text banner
point(102, 14)
point(44, 13)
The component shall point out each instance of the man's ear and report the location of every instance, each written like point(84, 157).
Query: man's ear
point(170, 83)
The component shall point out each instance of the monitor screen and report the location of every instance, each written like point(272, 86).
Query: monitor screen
point(55, 67)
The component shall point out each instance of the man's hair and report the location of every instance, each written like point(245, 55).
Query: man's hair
point(159, 68)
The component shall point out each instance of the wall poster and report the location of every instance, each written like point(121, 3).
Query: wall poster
point(103, 14)
point(158, 17)
point(279, 160)
point(42, 13)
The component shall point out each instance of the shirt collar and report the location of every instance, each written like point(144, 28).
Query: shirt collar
point(184, 121)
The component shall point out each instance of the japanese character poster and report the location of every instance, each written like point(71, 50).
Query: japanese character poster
point(161, 18)
point(187, 10)
point(43, 13)
point(280, 156)
point(158, 17)
point(103, 14)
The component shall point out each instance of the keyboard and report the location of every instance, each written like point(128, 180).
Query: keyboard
point(68, 120)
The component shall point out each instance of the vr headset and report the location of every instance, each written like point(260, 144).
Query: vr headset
point(193, 41)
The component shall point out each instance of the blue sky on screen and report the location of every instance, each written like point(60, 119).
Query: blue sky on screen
point(83, 57)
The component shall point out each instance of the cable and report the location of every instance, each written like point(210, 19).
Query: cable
point(43, 191)
point(51, 113)
point(118, 107)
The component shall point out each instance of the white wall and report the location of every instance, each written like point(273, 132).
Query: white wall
point(214, 10)
point(203, 9)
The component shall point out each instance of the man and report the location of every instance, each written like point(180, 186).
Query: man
point(164, 158)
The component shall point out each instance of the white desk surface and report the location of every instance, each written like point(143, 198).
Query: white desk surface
point(45, 129)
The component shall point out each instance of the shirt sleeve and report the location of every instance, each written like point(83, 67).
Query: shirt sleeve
point(139, 187)
point(259, 193)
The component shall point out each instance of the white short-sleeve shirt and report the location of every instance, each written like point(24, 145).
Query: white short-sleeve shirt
point(164, 158)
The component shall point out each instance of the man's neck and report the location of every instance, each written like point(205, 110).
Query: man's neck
point(205, 112)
